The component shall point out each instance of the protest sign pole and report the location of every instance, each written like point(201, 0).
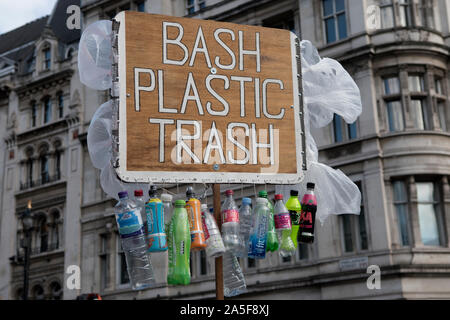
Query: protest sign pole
point(219, 260)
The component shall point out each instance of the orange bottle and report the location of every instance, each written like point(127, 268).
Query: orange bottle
point(193, 207)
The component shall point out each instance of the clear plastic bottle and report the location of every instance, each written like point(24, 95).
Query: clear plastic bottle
point(233, 278)
point(167, 208)
point(214, 244)
point(140, 203)
point(230, 223)
point(283, 227)
point(258, 235)
point(245, 225)
point(129, 222)
point(272, 241)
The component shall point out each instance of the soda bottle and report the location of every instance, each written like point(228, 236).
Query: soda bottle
point(167, 209)
point(129, 223)
point(283, 226)
point(179, 246)
point(155, 223)
point(245, 225)
point(272, 241)
point(140, 203)
point(214, 244)
point(230, 223)
point(233, 278)
point(193, 208)
point(294, 207)
point(308, 215)
point(258, 235)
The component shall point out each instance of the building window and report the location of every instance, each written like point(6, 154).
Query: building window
point(404, 13)
point(441, 106)
point(190, 6)
point(30, 172)
point(60, 105)
point(335, 20)
point(337, 128)
point(387, 14)
point(401, 209)
point(419, 110)
point(58, 164)
point(47, 110)
point(284, 21)
point(47, 59)
point(45, 177)
point(55, 231)
point(31, 63)
point(43, 235)
point(203, 263)
point(428, 208)
point(140, 6)
point(347, 226)
point(438, 86)
point(104, 260)
point(33, 114)
point(122, 270)
point(426, 13)
point(351, 131)
point(394, 108)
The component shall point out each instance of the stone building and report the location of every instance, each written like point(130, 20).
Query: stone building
point(397, 152)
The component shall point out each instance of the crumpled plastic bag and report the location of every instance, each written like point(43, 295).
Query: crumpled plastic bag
point(327, 89)
point(95, 55)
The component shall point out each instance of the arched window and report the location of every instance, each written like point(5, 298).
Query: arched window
point(29, 167)
point(42, 234)
point(55, 291)
point(46, 58)
point(47, 110)
point(37, 293)
point(45, 177)
point(54, 232)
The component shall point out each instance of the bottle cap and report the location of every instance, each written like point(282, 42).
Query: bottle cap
point(166, 197)
point(294, 193)
point(204, 206)
point(152, 191)
point(211, 210)
point(278, 197)
point(138, 193)
point(190, 192)
point(310, 185)
point(229, 192)
point(123, 194)
point(246, 201)
point(262, 194)
point(261, 201)
point(180, 202)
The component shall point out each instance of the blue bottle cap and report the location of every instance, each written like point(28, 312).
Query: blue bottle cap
point(246, 201)
point(123, 194)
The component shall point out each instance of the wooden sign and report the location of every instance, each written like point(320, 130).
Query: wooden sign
point(206, 101)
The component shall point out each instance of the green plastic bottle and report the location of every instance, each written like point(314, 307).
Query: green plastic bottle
point(294, 207)
point(272, 239)
point(179, 243)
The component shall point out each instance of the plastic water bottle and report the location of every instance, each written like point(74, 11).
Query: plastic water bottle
point(129, 222)
point(140, 203)
point(230, 223)
point(258, 235)
point(233, 278)
point(283, 227)
point(179, 240)
point(272, 241)
point(167, 208)
point(245, 225)
point(214, 244)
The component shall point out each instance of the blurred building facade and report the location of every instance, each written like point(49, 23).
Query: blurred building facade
point(397, 152)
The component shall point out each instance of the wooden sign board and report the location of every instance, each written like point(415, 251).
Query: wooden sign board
point(205, 101)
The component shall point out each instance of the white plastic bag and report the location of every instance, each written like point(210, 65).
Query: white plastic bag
point(327, 89)
point(99, 137)
point(95, 55)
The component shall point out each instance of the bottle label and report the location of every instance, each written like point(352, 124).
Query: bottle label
point(282, 220)
point(205, 228)
point(295, 217)
point(130, 224)
point(230, 216)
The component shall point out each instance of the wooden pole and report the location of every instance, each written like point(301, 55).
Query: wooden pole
point(219, 260)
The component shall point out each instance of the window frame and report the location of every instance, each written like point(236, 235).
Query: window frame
point(406, 203)
point(383, 7)
point(104, 260)
point(334, 16)
point(46, 58)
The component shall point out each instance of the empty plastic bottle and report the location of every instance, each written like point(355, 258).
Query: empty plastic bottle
point(294, 207)
point(179, 246)
point(245, 225)
point(283, 227)
point(214, 244)
point(230, 223)
point(272, 241)
point(156, 235)
point(140, 203)
point(129, 222)
point(167, 209)
point(193, 207)
point(233, 278)
point(258, 235)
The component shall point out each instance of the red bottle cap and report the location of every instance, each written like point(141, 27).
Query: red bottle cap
point(278, 197)
point(138, 193)
point(229, 192)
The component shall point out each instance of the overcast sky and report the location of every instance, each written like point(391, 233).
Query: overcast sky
point(15, 13)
